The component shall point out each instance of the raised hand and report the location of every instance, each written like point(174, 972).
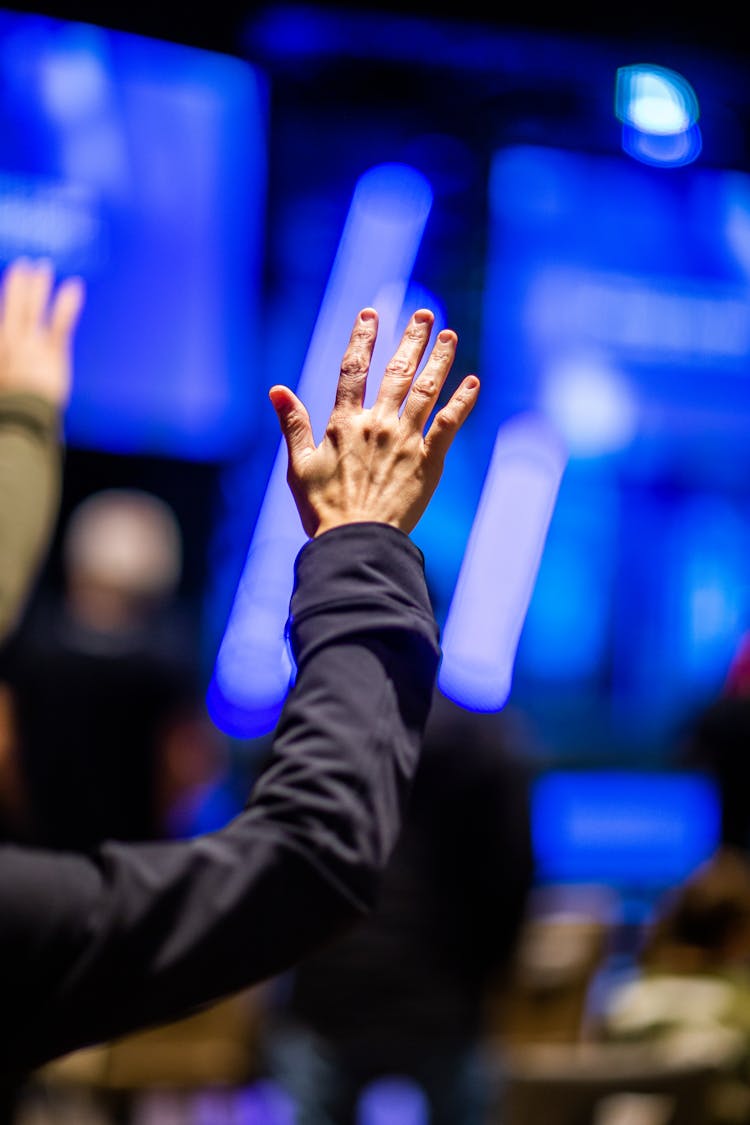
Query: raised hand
point(376, 464)
point(36, 330)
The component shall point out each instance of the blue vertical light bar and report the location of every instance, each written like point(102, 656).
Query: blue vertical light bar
point(501, 562)
point(382, 234)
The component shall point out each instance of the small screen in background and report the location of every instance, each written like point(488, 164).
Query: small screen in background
point(634, 831)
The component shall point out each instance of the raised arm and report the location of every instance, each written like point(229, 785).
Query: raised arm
point(138, 934)
point(36, 330)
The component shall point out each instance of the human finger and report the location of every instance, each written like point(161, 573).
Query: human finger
point(403, 366)
point(350, 391)
point(295, 424)
point(14, 287)
point(37, 291)
point(448, 421)
point(67, 304)
point(424, 391)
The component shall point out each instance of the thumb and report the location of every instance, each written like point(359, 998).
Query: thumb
point(294, 421)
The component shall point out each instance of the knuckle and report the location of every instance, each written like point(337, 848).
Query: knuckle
point(354, 365)
point(398, 368)
point(446, 419)
point(416, 330)
point(425, 385)
point(386, 431)
point(333, 432)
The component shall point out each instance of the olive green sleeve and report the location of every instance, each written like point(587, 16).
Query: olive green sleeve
point(30, 483)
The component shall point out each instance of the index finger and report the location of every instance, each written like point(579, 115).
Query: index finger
point(350, 390)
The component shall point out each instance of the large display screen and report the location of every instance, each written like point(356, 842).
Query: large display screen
point(618, 296)
point(141, 165)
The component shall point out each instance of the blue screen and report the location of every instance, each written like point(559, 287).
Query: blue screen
point(633, 830)
point(618, 296)
point(140, 165)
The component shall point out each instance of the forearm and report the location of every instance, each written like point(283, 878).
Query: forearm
point(141, 934)
point(367, 659)
point(30, 455)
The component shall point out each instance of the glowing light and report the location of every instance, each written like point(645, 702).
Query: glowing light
point(653, 99)
point(381, 236)
point(659, 112)
point(623, 827)
point(709, 544)
point(592, 405)
point(500, 565)
point(393, 1100)
point(672, 151)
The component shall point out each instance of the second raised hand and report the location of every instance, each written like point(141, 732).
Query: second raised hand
point(376, 464)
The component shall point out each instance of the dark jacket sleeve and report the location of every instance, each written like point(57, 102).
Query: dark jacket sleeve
point(93, 947)
point(30, 459)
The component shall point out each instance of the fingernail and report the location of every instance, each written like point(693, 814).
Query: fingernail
point(445, 336)
point(471, 382)
point(367, 314)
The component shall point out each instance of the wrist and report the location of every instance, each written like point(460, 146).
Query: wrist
point(330, 524)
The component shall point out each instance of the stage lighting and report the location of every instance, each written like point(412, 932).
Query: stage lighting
point(659, 112)
point(501, 562)
point(380, 240)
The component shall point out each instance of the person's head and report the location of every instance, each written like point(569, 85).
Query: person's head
point(705, 923)
point(122, 557)
point(717, 741)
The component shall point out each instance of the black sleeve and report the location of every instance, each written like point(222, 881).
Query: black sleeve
point(93, 947)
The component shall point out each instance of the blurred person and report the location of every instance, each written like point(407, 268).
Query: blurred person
point(406, 992)
point(691, 987)
point(691, 975)
point(94, 945)
point(35, 386)
point(114, 737)
point(716, 740)
point(703, 924)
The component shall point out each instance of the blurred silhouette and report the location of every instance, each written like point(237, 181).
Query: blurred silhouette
point(36, 332)
point(717, 741)
point(691, 987)
point(105, 696)
point(704, 924)
point(406, 994)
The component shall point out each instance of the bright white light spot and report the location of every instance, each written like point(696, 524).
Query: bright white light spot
point(592, 406)
point(655, 100)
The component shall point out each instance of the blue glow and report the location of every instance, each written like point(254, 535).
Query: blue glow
point(382, 234)
point(393, 1100)
point(590, 271)
point(566, 633)
point(708, 544)
point(121, 162)
point(592, 405)
point(670, 151)
point(624, 828)
point(500, 563)
point(654, 99)
point(583, 309)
